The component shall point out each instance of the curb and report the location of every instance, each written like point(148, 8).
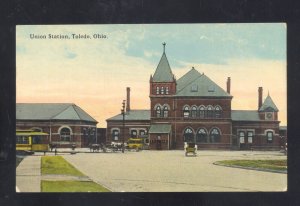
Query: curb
point(251, 168)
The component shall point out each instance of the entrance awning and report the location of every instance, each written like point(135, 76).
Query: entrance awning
point(160, 129)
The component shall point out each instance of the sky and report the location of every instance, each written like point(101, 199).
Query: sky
point(94, 72)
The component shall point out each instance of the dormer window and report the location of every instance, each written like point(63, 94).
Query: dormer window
point(211, 88)
point(194, 88)
point(162, 90)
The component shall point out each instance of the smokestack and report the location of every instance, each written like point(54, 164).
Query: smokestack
point(228, 85)
point(128, 99)
point(260, 94)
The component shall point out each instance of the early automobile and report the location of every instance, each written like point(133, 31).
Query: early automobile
point(190, 147)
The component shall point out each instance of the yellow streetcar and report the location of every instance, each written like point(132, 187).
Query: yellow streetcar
point(30, 141)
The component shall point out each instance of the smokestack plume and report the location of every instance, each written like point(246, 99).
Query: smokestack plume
point(228, 85)
point(260, 94)
point(128, 99)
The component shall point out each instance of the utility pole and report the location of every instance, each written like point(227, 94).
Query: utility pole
point(123, 113)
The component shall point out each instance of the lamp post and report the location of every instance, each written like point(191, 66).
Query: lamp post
point(123, 114)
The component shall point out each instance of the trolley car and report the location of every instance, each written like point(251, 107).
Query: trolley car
point(30, 141)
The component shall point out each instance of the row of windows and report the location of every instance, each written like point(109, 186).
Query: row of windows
point(202, 111)
point(162, 90)
point(202, 136)
point(133, 134)
point(247, 137)
point(193, 112)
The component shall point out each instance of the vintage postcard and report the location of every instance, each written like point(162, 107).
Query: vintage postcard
point(151, 108)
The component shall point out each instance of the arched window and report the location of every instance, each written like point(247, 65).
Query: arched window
point(157, 90)
point(270, 136)
point(202, 112)
point(167, 90)
point(209, 111)
point(188, 135)
point(194, 111)
point(214, 135)
point(65, 134)
point(186, 111)
point(166, 111)
point(158, 112)
point(162, 90)
point(115, 135)
point(218, 111)
point(201, 135)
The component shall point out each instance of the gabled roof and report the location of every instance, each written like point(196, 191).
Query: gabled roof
point(190, 76)
point(268, 105)
point(245, 115)
point(195, 84)
point(160, 129)
point(163, 71)
point(51, 111)
point(132, 115)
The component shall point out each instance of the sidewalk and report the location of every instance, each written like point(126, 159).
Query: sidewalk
point(28, 174)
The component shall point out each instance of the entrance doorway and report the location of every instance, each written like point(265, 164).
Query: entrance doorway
point(158, 143)
point(246, 140)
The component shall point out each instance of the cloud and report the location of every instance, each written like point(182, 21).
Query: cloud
point(69, 54)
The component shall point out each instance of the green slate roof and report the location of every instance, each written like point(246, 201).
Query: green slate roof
point(268, 105)
point(133, 115)
point(163, 71)
point(190, 76)
point(195, 84)
point(160, 129)
point(245, 115)
point(51, 111)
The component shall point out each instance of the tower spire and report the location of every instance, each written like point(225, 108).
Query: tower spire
point(164, 44)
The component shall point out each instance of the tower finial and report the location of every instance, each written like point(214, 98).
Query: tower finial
point(164, 44)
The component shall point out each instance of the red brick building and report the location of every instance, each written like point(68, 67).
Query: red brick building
point(195, 109)
point(66, 124)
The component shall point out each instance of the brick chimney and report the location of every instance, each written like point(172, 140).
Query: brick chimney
point(128, 99)
point(228, 85)
point(260, 94)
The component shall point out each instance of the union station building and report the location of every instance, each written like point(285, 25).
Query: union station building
point(195, 109)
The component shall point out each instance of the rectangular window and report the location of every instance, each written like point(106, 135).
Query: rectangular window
point(250, 137)
point(167, 90)
point(115, 135)
point(157, 90)
point(22, 140)
point(242, 137)
point(269, 137)
point(162, 90)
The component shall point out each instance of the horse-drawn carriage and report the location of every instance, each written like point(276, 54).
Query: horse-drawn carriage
point(111, 147)
point(190, 147)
